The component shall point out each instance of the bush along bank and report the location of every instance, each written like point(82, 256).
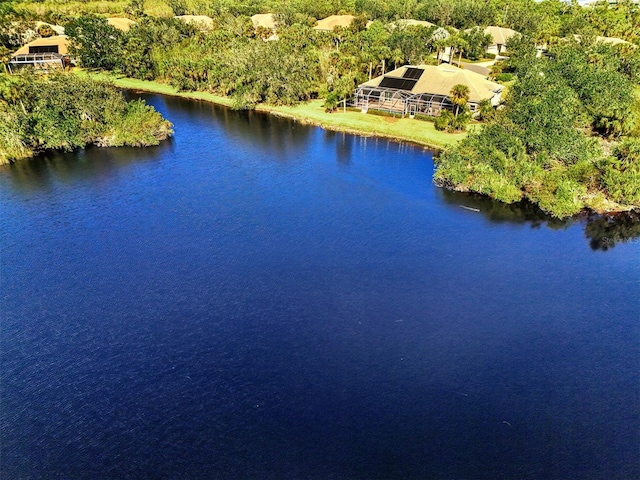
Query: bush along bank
point(566, 138)
point(64, 112)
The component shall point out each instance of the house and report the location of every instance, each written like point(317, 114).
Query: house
point(424, 89)
point(408, 22)
point(608, 40)
point(499, 38)
point(202, 22)
point(44, 54)
point(333, 21)
point(267, 23)
point(613, 41)
point(55, 44)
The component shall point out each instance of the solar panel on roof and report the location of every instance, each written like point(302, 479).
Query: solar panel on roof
point(43, 49)
point(397, 83)
point(414, 73)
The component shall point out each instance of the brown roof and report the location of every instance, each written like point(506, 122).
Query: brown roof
point(123, 24)
point(62, 41)
point(439, 80)
point(334, 21)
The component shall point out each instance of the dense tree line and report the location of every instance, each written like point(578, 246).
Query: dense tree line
point(232, 58)
point(566, 137)
point(63, 112)
point(545, 21)
point(540, 20)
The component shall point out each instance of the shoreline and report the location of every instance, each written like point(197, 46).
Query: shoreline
point(312, 113)
point(423, 134)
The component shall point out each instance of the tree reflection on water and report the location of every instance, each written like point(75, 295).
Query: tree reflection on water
point(602, 231)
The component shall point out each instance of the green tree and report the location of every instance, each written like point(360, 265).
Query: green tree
point(135, 8)
point(63, 111)
point(397, 57)
point(96, 43)
point(412, 43)
point(179, 7)
point(458, 45)
point(476, 42)
point(148, 39)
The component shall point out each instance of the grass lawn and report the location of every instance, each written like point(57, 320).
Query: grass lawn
point(404, 129)
point(407, 129)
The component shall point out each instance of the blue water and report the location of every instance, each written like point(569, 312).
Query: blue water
point(256, 299)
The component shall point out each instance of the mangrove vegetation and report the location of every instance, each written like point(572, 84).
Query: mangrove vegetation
point(62, 111)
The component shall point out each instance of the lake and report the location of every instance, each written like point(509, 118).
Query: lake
point(258, 299)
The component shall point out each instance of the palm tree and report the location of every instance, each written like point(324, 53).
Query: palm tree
point(440, 41)
point(459, 96)
point(384, 52)
point(397, 56)
point(459, 44)
point(485, 108)
point(440, 46)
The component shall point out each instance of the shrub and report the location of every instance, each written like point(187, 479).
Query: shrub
point(331, 102)
point(46, 31)
point(140, 126)
point(460, 121)
point(444, 120)
point(621, 172)
point(452, 123)
point(504, 77)
point(12, 146)
point(63, 111)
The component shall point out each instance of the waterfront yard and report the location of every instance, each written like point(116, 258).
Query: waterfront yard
point(407, 129)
